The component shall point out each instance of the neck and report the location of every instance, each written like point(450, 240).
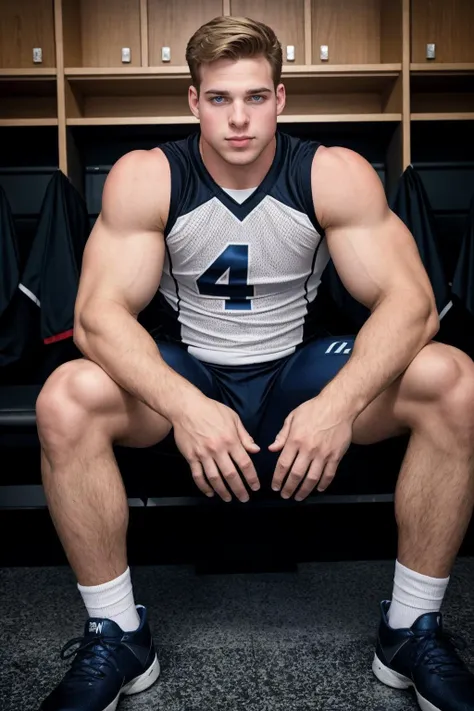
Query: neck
point(237, 177)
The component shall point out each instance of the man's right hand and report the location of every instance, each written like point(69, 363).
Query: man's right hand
point(212, 438)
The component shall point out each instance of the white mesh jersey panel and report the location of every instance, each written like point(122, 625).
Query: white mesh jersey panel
point(168, 285)
point(281, 243)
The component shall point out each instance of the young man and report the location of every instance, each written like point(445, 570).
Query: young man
point(234, 227)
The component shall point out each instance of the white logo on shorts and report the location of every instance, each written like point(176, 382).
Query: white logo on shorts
point(340, 349)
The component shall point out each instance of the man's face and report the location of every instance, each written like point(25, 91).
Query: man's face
point(237, 107)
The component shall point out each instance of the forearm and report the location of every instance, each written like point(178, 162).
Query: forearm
point(392, 336)
point(109, 335)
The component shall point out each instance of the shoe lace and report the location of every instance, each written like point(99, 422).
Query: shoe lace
point(90, 656)
point(438, 650)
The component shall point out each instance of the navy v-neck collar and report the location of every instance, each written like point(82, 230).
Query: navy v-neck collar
point(240, 210)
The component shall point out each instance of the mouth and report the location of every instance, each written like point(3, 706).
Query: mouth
point(239, 140)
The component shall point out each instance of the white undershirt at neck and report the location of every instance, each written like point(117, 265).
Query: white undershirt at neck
point(239, 195)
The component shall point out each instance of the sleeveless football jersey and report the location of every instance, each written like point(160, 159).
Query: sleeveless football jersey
point(240, 277)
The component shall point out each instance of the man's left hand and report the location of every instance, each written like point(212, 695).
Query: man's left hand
point(312, 442)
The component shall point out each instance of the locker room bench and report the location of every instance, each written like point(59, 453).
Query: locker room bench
point(366, 474)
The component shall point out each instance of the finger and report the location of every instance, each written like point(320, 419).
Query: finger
point(248, 441)
point(285, 461)
point(199, 479)
point(280, 440)
point(312, 478)
point(296, 475)
point(215, 479)
point(232, 477)
point(246, 466)
point(329, 473)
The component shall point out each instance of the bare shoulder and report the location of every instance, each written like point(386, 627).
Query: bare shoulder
point(339, 161)
point(138, 188)
point(345, 187)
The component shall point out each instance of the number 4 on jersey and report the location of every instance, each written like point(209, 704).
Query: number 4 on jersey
point(227, 278)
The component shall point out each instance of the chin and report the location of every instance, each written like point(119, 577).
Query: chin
point(241, 157)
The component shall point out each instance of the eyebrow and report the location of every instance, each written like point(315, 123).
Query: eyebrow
point(261, 90)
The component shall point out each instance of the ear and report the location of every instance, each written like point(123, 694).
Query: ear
point(193, 100)
point(280, 98)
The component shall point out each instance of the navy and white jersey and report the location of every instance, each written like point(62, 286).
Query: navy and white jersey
point(241, 276)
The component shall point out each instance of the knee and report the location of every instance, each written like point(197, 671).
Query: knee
point(442, 378)
point(69, 401)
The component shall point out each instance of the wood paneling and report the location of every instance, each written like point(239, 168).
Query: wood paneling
point(447, 23)
point(106, 27)
point(23, 26)
point(172, 24)
point(350, 28)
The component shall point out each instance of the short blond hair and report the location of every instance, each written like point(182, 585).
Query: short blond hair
point(228, 37)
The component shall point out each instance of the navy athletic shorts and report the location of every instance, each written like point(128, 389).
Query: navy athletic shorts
point(263, 394)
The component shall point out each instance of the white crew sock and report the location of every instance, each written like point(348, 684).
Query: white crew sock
point(113, 601)
point(414, 594)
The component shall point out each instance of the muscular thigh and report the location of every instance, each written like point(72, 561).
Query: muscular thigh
point(416, 394)
point(80, 394)
point(390, 414)
point(80, 399)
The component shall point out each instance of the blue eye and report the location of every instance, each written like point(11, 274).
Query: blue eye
point(256, 98)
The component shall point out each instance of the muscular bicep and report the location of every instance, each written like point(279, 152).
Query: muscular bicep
point(373, 252)
point(122, 267)
point(376, 259)
point(123, 257)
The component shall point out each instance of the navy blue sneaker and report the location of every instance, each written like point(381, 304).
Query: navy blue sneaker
point(424, 657)
point(108, 663)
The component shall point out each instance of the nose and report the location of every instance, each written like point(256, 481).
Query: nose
point(238, 115)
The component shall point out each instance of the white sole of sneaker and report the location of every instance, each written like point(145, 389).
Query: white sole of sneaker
point(140, 683)
point(398, 681)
